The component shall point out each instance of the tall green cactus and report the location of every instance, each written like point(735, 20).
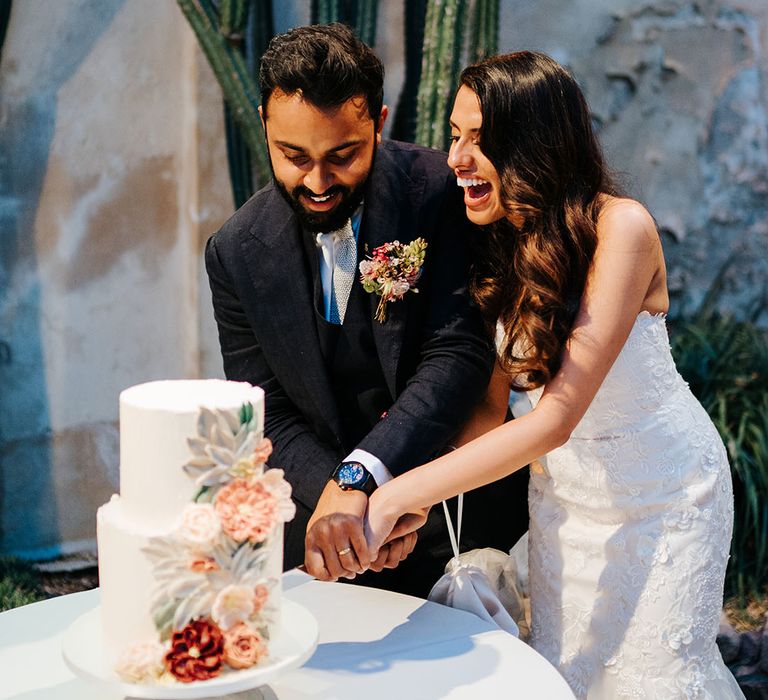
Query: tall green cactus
point(365, 20)
point(404, 118)
point(358, 14)
point(226, 58)
point(5, 18)
point(253, 22)
point(484, 32)
point(444, 27)
point(325, 11)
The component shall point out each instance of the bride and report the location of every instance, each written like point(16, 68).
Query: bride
point(630, 500)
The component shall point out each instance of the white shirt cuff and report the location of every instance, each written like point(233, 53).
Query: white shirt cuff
point(373, 464)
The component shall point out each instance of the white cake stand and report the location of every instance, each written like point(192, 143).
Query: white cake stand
point(294, 643)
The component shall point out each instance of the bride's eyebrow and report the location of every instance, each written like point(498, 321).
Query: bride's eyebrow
point(475, 130)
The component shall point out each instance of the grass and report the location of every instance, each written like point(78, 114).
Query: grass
point(749, 614)
point(19, 584)
point(725, 362)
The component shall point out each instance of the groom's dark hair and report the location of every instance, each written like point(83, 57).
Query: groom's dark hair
point(325, 63)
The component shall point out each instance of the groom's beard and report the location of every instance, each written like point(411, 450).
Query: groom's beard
point(323, 222)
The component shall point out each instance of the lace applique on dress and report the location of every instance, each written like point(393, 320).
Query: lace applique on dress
point(629, 537)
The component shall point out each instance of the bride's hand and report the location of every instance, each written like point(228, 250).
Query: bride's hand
point(386, 521)
point(380, 520)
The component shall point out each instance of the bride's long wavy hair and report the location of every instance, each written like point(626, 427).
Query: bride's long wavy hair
point(537, 133)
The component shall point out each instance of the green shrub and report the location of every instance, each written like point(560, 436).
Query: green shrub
point(725, 362)
point(18, 584)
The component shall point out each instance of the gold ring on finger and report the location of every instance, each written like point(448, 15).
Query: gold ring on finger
point(342, 552)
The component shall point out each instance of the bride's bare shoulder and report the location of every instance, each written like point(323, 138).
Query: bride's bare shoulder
point(626, 222)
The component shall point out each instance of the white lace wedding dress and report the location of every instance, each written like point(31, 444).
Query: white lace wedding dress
point(630, 530)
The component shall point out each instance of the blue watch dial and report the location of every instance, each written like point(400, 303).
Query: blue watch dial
point(351, 474)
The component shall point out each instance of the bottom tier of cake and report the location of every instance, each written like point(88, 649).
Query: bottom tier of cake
point(159, 590)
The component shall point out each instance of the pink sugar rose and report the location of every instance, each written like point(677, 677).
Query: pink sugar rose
point(198, 525)
point(247, 510)
point(233, 605)
point(260, 598)
point(262, 452)
point(243, 646)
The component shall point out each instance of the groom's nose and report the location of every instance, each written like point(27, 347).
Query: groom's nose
point(318, 179)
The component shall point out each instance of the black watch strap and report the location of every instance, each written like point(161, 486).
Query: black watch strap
point(353, 476)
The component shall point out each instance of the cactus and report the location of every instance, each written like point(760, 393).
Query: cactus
point(484, 34)
point(253, 22)
point(224, 53)
point(326, 11)
point(365, 20)
point(404, 119)
point(444, 27)
point(5, 16)
point(358, 14)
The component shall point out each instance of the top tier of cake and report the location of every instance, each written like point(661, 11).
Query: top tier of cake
point(156, 419)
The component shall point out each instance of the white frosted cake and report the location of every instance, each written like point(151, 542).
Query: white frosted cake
point(190, 552)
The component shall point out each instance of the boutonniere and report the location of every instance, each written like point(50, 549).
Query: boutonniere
point(392, 271)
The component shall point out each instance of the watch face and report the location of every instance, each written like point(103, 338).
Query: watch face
point(351, 474)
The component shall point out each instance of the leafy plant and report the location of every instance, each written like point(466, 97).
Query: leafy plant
point(18, 584)
point(725, 362)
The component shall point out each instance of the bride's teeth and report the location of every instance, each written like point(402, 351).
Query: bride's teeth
point(469, 181)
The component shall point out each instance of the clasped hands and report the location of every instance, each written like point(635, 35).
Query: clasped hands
point(342, 542)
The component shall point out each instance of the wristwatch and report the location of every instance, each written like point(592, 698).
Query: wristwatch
point(353, 476)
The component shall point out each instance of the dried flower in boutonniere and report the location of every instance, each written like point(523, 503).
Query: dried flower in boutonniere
point(391, 271)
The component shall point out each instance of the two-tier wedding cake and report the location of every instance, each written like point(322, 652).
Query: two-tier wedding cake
point(190, 552)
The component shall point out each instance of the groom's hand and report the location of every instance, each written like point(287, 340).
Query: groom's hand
point(395, 551)
point(335, 546)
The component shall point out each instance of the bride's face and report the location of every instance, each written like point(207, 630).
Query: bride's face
point(474, 172)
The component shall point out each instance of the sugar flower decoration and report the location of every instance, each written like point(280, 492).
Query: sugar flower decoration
point(233, 604)
point(196, 652)
point(243, 647)
point(198, 525)
point(247, 510)
point(141, 662)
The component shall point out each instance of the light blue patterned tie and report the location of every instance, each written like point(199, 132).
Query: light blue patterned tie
point(345, 257)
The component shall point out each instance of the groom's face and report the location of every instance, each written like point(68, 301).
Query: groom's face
point(321, 158)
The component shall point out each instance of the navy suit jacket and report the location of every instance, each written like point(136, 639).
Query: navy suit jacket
point(432, 349)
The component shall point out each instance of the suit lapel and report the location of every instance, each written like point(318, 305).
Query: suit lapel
point(285, 292)
point(392, 198)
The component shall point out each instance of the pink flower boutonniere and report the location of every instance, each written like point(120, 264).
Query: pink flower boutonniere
point(392, 270)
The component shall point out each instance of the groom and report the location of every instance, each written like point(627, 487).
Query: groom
point(351, 401)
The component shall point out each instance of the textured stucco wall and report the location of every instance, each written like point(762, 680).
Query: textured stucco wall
point(113, 173)
point(679, 90)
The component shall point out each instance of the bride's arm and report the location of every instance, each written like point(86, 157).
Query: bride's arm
point(627, 259)
point(490, 412)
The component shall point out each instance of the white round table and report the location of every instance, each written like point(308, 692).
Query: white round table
point(373, 645)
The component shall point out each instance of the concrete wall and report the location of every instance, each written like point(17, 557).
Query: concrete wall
point(113, 174)
point(680, 92)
